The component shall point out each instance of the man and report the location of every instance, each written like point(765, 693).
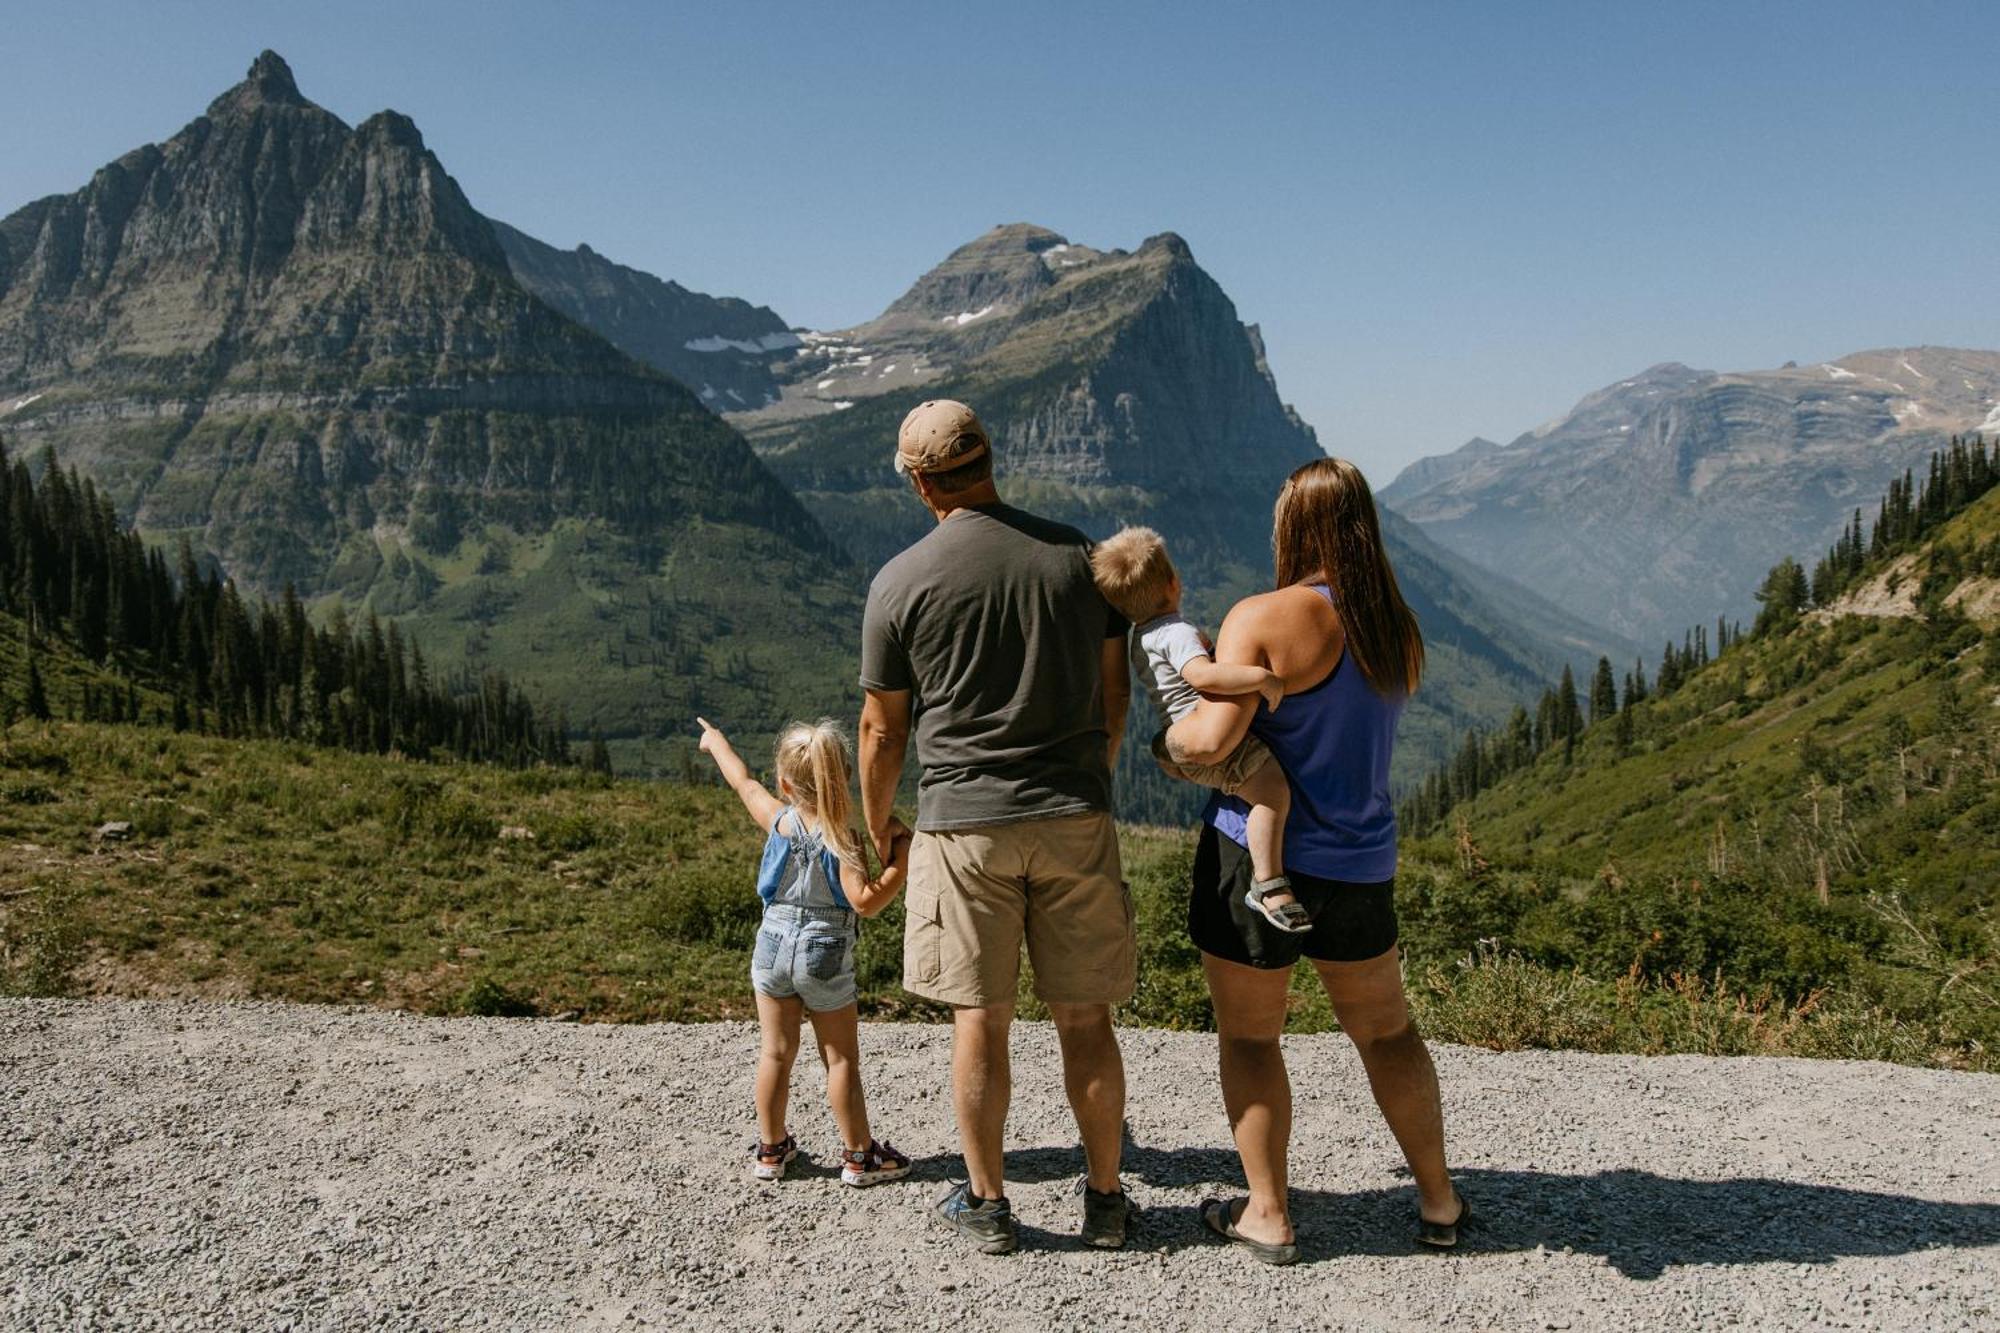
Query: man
point(989, 639)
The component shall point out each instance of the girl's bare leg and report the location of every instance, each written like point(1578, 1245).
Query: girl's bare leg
point(779, 1023)
point(839, 1035)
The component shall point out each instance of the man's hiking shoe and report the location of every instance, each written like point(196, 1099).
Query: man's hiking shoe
point(1105, 1216)
point(989, 1222)
point(769, 1160)
point(877, 1163)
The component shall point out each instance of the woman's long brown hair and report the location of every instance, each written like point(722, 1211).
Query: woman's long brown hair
point(1326, 526)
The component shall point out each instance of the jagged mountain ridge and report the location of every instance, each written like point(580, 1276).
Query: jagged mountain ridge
point(719, 346)
point(1660, 501)
point(1120, 386)
point(299, 346)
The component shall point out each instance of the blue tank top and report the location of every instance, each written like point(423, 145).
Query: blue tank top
point(1334, 741)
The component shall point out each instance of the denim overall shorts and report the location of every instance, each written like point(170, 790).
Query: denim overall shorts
point(805, 946)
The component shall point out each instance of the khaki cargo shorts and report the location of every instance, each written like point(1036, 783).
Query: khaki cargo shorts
point(976, 895)
point(1226, 777)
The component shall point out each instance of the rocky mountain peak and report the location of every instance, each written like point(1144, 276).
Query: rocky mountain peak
point(269, 83)
point(1004, 268)
point(393, 129)
point(1169, 244)
point(388, 193)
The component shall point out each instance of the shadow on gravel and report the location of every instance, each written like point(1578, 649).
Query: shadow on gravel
point(1642, 1223)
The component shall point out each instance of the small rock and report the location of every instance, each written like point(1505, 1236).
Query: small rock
point(117, 830)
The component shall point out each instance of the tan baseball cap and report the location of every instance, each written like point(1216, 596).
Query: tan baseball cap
point(940, 435)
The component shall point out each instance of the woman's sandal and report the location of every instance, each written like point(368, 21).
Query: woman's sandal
point(1291, 917)
point(769, 1160)
point(1219, 1216)
point(1444, 1235)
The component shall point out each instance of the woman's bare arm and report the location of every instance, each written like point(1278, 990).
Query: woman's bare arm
point(1219, 723)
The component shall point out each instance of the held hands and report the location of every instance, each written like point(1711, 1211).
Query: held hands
point(1272, 690)
point(891, 841)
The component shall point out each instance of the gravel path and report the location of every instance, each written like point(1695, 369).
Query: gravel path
point(258, 1165)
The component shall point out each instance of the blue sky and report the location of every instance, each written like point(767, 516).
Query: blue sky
point(1449, 219)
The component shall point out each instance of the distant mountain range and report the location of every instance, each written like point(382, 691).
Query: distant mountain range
point(1660, 501)
point(297, 345)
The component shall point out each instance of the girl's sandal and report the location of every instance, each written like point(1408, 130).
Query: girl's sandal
point(769, 1160)
point(1444, 1235)
point(1219, 1216)
point(877, 1164)
point(1291, 917)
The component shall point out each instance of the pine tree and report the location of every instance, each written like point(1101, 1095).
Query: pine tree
point(598, 760)
point(36, 700)
point(1782, 596)
point(1603, 692)
point(1569, 713)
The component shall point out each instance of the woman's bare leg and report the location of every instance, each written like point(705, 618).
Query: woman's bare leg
point(1257, 1093)
point(1368, 1000)
point(778, 1020)
point(838, 1032)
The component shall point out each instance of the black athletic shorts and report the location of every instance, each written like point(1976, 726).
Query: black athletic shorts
point(1351, 922)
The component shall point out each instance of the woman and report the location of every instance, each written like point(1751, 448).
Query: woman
point(1338, 632)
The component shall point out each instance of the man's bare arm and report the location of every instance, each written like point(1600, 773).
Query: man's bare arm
point(884, 743)
point(1117, 694)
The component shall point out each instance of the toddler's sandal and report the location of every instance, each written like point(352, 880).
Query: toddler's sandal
point(1291, 917)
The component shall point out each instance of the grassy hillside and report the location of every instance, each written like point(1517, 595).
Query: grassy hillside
point(1855, 752)
point(1815, 812)
point(269, 869)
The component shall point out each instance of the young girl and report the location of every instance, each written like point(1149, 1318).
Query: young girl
point(813, 886)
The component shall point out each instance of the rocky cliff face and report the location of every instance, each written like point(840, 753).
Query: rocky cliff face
point(1101, 373)
point(1661, 501)
point(299, 346)
point(719, 346)
point(1120, 387)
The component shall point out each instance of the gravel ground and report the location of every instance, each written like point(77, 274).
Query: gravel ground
point(182, 1165)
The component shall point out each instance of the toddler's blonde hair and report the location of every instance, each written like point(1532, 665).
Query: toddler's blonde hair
point(814, 761)
point(1133, 572)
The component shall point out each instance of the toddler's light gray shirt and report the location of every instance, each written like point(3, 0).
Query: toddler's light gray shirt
point(1167, 644)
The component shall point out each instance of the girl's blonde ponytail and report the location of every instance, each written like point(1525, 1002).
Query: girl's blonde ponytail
point(813, 758)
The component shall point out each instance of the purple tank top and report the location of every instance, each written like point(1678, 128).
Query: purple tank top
point(1334, 741)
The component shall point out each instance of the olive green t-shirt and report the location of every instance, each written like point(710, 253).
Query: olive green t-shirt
point(994, 625)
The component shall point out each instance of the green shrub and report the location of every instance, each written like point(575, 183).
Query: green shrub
point(571, 831)
point(487, 998)
point(1504, 1002)
point(41, 941)
point(459, 822)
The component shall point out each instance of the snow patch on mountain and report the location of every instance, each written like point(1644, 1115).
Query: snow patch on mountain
point(769, 342)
